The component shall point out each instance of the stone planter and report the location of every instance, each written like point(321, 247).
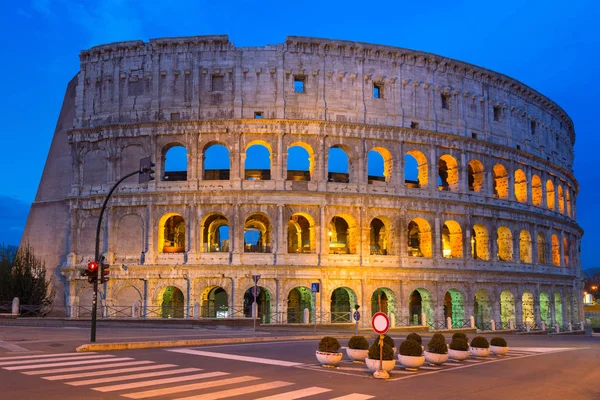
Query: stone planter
point(328, 358)
point(373, 365)
point(435, 358)
point(411, 363)
point(357, 354)
point(479, 351)
point(499, 350)
point(458, 355)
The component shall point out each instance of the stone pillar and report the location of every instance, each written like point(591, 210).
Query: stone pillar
point(280, 247)
point(463, 174)
point(243, 166)
point(323, 237)
point(510, 178)
point(151, 235)
point(536, 306)
point(489, 179)
point(433, 172)
point(561, 248)
point(493, 238)
point(402, 234)
point(198, 166)
point(516, 256)
point(529, 185)
point(436, 240)
point(236, 232)
point(519, 306)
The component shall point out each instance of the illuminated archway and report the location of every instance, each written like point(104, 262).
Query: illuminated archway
point(419, 238)
point(536, 191)
point(480, 242)
point(505, 244)
point(520, 186)
point(171, 234)
point(378, 238)
point(476, 176)
point(555, 250)
point(452, 241)
point(300, 162)
point(482, 308)
point(215, 162)
point(500, 181)
point(299, 298)
point(550, 194)
point(215, 233)
point(448, 173)
point(257, 165)
point(525, 252)
point(420, 301)
point(301, 234)
point(257, 234)
point(416, 170)
point(507, 308)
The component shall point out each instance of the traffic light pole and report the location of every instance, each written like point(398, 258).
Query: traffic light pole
point(97, 253)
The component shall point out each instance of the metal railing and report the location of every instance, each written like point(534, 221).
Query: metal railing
point(118, 311)
point(32, 310)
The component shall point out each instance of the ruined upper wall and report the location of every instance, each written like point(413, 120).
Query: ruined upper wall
point(172, 79)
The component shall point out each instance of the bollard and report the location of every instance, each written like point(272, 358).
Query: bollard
point(511, 324)
point(570, 327)
point(581, 325)
point(73, 311)
point(472, 322)
point(543, 325)
point(423, 319)
point(528, 325)
point(196, 310)
point(15, 306)
point(493, 323)
point(449, 323)
point(557, 328)
point(134, 309)
point(306, 318)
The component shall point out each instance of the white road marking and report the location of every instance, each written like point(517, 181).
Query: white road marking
point(354, 396)
point(68, 358)
point(235, 357)
point(44, 356)
point(63, 364)
point(297, 394)
point(11, 346)
point(106, 372)
point(429, 368)
point(87, 368)
point(109, 379)
point(187, 388)
point(541, 349)
point(154, 382)
point(238, 391)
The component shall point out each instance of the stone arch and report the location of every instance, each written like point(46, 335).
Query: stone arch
point(558, 310)
point(520, 186)
point(454, 307)
point(480, 242)
point(525, 251)
point(389, 303)
point(536, 191)
point(263, 304)
point(215, 233)
point(566, 251)
point(130, 157)
point(527, 307)
point(541, 246)
point(171, 234)
point(545, 307)
point(214, 302)
point(129, 238)
point(300, 162)
point(452, 240)
point(448, 173)
point(505, 244)
point(378, 237)
point(298, 299)
point(95, 167)
point(420, 301)
point(421, 178)
point(216, 162)
point(419, 238)
point(174, 162)
point(482, 308)
point(338, 164)
point(343, 234)
point(561, 199)
point(86, 246)
point(555, 250)
point(172, 302)
point(342, 302)
point(568, 197)
point(258, 161)
point(128, 295)
point(379, 164)
point(507, 308)
point(301, 236)
point(257, 233)
point(476, 176)
point(550, 195)
point(500, 181)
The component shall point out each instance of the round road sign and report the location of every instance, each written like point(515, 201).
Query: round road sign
point(381, 323)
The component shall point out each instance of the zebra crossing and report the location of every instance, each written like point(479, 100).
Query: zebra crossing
point(144, 379)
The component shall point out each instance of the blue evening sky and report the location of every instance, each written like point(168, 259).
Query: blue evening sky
point(552, 46)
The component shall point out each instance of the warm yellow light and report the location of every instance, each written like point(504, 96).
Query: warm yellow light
point(594, 287)
point(330, 233)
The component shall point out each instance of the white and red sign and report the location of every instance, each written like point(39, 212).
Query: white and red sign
point(380, 323)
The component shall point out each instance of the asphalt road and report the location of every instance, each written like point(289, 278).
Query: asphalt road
point(538, 367)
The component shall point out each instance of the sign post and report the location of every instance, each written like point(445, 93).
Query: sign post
point(314, 287)
point(356, 316)
point(255, 292)
point(381, 324)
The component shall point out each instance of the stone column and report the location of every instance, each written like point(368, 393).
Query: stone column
point(323, 237)
point(151, 234)
point(433, 172)
point(516, 256)
point(511, 182)
point(463, 174)
point(280, 247)
point(436, 239)
point(561, 248)
point(529, 185)
point(536, 306)
point(519, 307)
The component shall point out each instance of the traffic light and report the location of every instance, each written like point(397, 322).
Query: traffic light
point(146, 170)
point(104, 272)
point(91, 272)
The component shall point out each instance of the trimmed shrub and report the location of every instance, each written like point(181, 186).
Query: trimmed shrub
point(437, 346)
point(358, 343)
point(329, 344)
point(388, 351)
point(480, 342)
point(459, 344)
point(439, 336)
point(411, 348)
point(414, 336)
point(460, 335)
point(498, 341)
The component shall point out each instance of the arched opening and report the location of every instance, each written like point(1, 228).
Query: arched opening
point(301, 234)
point(215, 162)
point(299, 298)
point(561, 200)
point(527, 305)
point(520, 186)
point(525, 251)
point(505, 244)
point(452, 241)
point(482, 309)
point(569, 315)
point(500, 182)
point(550, 195)
point(338, 165)
point(342, 300)
point(175, 162)
point(555, 250)
point(171, 234)
point(379, 165)
point(480, 242)
point(172, 302)
point(388, 302)
point(507, 308)
point(300, 162)
point(476, 176)
point(341, 240)
point(128, 296)
point(215, 234)
point(566, 251)
point(416, 170)
point(558, 309)
point(536, 191)
point(448, 173)
point(541, 246)
point(215, 303)
point(263, 304)
point(420, 302)
point(545, 307)
point(378, 238)
point(257, 165)
point(568, 196)
point(419, 238)
point(257, 234)
point(454, 307)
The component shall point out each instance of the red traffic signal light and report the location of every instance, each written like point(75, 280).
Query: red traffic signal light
point(104, 272)
point(92, 266)
point(91, 272)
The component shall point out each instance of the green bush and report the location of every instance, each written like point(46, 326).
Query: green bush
point(388, 351)
point(358, 343)
point(480, 342)
point(411, 348)
point(498, 341)
point(437, 345)
point(460, 335)
point(459, 344)
point(329, 344)
point(414, 336)
point(386, 339)
point(439, 336)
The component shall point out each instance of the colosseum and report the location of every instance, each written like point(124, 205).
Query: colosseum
point(443, 188)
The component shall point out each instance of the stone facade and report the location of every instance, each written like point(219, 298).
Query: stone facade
point(488, 228)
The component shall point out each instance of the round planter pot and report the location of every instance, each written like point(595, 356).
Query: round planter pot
point(479, 351)
point(458, 355)
point(357, 354)
point(499, 350)
point(328, 358)
point(373, 365)
point(411, 362)
point(435, 358)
